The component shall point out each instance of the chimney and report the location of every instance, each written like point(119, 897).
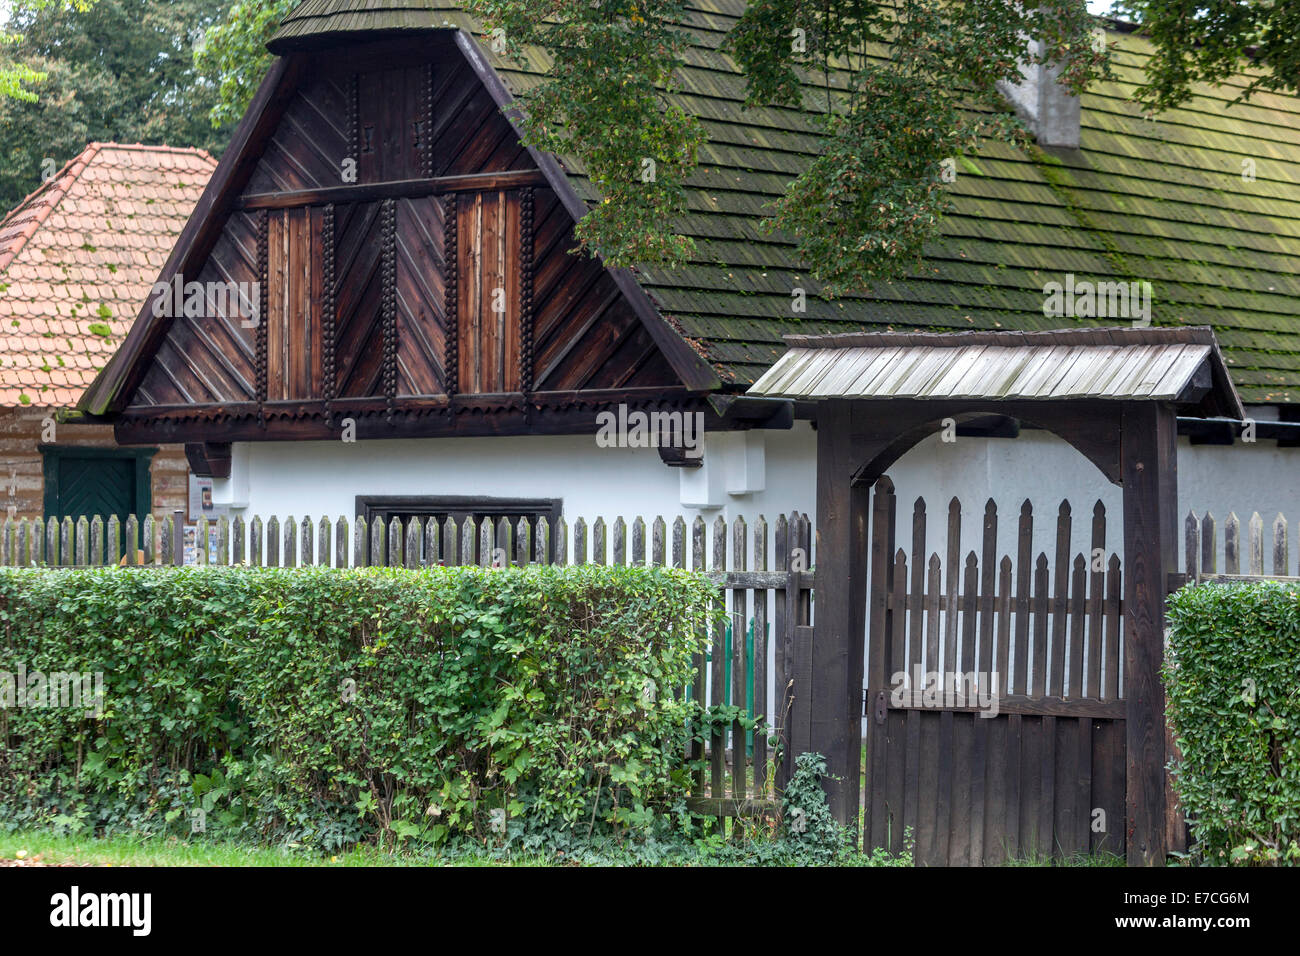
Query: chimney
point(1049, 109)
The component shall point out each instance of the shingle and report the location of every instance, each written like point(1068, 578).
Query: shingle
point(56, 248)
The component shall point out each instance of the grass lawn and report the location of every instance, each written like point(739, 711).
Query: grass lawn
point(36, 849)
point(31, 848)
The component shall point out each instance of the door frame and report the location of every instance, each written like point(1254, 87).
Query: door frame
point(52, 463)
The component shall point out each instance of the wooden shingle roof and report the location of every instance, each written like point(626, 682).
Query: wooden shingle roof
point(1203, 202)
point(78, 257)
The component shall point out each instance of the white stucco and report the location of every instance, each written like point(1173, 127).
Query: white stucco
point(751, 474)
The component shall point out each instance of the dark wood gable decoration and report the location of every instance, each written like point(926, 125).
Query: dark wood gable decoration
point(412, 268)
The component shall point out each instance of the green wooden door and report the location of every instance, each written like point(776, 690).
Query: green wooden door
point(97, 481)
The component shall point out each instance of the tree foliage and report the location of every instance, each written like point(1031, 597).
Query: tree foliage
point(1207, 41)
point(896, 87)
point(114, 70)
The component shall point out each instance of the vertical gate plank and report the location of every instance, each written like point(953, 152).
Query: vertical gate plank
point(1042, 601)
point(879, 668)
point(1060, 601)
point(1078, 607)
point(739, 625)
point(1096, 601)
point(954, 578)
point(1024, 578)
point(717, 742)
point(762, 710)
point(699, 687)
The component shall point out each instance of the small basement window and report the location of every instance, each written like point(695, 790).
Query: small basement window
point(460, 508)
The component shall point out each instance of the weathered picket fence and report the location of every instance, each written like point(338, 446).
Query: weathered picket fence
point(765, 578)
point(1201, 552)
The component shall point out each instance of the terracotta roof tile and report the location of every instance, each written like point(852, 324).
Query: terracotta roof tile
point(113, 206)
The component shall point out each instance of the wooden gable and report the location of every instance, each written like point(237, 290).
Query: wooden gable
point(396, 252)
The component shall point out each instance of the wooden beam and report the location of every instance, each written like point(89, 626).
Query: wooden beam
point(835, 690)
point(397, 189)
point(1149, 461)
point(209, 459)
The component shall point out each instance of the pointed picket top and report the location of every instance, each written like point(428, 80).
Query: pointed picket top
point(1280, 550)
point(542, 544)
point(165, 545)
point(306, 540)
point(562, 541)
point(719, 544)
point(273, 542)
point(113, 545)
point(378, 542)
point(1232, 544)
point(201, 541)
point(1192, 547)
point(411, 550)
point(290, 542)
point(679, 542)
point(598, 541)
point(132, 543)
point(52, 542)
point(699, 544)
point(83, 533)
point(394, 535)
point(658, 541)
point(38, 541)
point(1256, 544)
point(238, 546)
point(580, 541)
point(360, 543)
point(432, 543)
point(223, 541)
point(341, 542)
point(620, 542)
point(739, 543)
point(468, 540)
point(1209, 547)
point(323, 529)
point(450, 543)
point(413, 544)
point(638, 541)
point(503, 550)
point(486, 542)
point(22, 556)
point(96, 541)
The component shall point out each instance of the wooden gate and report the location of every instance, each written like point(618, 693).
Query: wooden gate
point(994, 703)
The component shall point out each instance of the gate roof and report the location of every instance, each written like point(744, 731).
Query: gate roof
point(1180, 365)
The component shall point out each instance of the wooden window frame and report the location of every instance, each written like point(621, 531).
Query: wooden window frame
point(372, 506)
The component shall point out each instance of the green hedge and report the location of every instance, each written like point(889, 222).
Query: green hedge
point(1233, 676)
point(325, 707)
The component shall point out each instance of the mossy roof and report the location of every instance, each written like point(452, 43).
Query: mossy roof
point(1162, 200)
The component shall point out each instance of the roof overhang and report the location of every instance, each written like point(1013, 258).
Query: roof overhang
point(1182, 366)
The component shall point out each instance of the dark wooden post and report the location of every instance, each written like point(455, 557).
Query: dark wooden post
point(178, 538)
point(835, 689)
point(1149, 463)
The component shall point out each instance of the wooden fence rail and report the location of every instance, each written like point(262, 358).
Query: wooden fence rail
point(751, 660)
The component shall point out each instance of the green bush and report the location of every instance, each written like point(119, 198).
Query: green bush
point(1233, 676)
point(324, 707)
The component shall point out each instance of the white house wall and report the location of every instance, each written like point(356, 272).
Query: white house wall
point(758, 473)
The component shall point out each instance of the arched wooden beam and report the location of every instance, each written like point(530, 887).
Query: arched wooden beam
point(1090, 427)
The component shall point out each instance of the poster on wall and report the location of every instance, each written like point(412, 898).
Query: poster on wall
point(200, 504)
point(191, 552)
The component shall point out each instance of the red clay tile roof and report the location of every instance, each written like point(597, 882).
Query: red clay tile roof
point(78, 257)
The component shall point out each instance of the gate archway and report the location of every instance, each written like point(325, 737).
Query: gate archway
point(1113, 394)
